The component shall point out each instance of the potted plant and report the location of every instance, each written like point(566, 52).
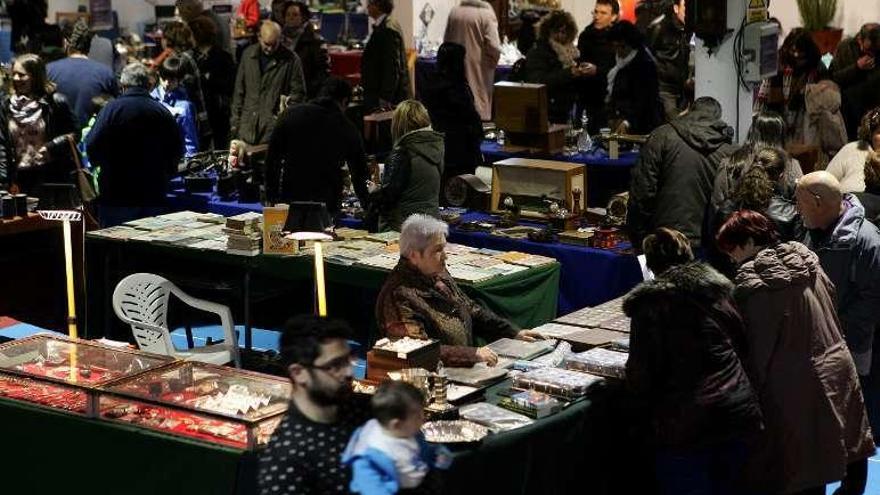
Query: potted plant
point(816, 16)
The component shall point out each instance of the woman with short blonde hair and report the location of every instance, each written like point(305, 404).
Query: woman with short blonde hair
point(409, 116)
point(412, 177)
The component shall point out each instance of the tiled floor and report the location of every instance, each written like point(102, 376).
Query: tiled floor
point(873, 487)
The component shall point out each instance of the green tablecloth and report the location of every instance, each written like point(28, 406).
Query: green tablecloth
point(54, 452)
point(563, 453)
point(48, 452)
point(527, 298)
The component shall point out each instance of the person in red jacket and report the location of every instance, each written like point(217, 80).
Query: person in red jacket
point(249, 10)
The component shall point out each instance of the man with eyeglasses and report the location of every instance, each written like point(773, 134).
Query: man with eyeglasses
point(304, 454)
point(596, 49)
point(848, 246)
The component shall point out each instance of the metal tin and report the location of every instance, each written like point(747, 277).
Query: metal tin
point(7, 206)
point(20, 205)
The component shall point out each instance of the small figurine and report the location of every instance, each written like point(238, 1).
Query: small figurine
point(576, 201)
point(510, 218)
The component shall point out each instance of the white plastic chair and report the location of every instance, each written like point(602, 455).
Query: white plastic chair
point(141, 300)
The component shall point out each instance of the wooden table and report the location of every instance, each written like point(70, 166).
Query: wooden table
point(32, 269)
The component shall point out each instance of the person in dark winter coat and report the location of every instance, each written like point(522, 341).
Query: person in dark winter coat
point(301, 38)
point(553, 62)
point(178, 40)
point(855, 70)
point(848, 246)
point(673, 177)
point(384, 71)
point(420, 300)
point(413, 171)
point(35, 122)
point(217, 70)
point(450, 104)
point(798, 363)
point(870, 198)
point(669, 42)
point(760, 189)
point(308, 148)
point(192, 10)
point(269, 79)
point(632, 97)
point(595, 48)
point(767, 130)
point(683, 369)
point(135, 165)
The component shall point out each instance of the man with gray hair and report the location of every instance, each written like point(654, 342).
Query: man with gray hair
point(421, 300)
point(848, 246)
point(136, 142)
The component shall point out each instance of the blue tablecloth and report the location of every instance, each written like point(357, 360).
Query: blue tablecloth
point(605, 177)
point(180, 200)
point(588, 276)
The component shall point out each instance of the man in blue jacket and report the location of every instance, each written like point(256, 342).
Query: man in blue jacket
point(137, 144)
point(848, 246)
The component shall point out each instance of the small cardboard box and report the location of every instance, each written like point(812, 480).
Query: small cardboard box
point(274, 242)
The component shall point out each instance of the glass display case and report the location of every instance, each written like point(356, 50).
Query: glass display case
point(200, 401)
point(65, 374)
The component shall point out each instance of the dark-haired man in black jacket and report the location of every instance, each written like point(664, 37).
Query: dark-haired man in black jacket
point(308, 147)
point(673, 177)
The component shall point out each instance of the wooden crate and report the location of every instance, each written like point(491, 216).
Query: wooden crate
point(521, 107)
point(551, 142)
point(526, 177)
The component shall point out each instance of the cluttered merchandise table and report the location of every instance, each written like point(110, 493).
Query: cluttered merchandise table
point(589, 276)
point(555, 421)
point(267, 289)
point(549, 456)
point(605, 176)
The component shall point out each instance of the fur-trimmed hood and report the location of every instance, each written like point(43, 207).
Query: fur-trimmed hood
point(696, 281)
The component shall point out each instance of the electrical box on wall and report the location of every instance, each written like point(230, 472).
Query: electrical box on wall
point(760, 54)
point(707, 19)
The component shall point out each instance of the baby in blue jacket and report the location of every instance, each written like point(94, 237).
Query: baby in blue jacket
point(389, 454)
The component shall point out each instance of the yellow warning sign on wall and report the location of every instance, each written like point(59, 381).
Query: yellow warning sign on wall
point(757, 11)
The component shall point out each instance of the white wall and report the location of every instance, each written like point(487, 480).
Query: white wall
point(412, 25)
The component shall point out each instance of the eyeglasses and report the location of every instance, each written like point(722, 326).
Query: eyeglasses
point(335, 365)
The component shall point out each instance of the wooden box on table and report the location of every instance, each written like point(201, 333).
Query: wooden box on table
point(380, 362)
point(521, 107)
point(522, 111)
point(529, 181)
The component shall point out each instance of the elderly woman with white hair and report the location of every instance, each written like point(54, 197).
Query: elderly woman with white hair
point(421, 300)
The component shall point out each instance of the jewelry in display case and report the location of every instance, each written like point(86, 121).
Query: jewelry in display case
point(202, 401)
point(62, 373)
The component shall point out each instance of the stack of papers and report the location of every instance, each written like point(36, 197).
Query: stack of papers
point(243, 234)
